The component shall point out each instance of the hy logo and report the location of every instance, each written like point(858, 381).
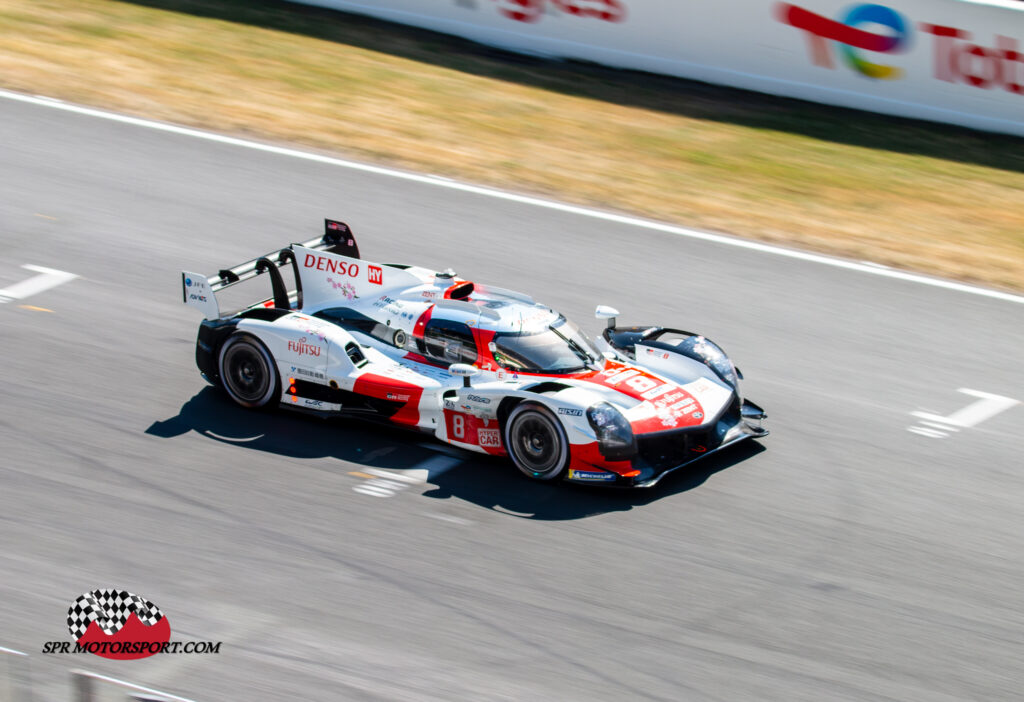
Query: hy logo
point(864, 27)
point(117, 624)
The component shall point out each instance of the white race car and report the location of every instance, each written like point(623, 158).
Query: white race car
point(479, 367)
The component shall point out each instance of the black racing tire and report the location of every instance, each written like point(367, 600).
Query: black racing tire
point(536, 442)
point(248, 373)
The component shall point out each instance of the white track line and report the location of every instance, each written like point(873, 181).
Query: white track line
point(130, 686)
point(930, 433)
point(938, 425)
point(422, 472)
point(987, 406)
point(871, 269)
point(47, 278)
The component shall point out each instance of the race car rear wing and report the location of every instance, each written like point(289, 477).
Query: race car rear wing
point(200, 291)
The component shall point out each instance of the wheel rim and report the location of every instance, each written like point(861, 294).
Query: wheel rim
point(537, 445)
point(247, 374)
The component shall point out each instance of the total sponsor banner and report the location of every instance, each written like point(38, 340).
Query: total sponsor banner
point(954, 61)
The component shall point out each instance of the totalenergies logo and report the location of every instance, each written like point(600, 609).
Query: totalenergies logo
point(532, 10)
point(850, 35)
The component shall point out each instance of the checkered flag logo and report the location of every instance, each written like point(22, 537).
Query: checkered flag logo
point(110, 609)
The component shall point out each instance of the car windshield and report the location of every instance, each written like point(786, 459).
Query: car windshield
point(561, 348)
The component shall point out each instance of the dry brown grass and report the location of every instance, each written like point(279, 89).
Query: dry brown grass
point(900, 193)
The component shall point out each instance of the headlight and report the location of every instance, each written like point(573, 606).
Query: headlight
point(712, 355)
point(614, 435)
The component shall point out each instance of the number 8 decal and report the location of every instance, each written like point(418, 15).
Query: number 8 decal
point(459, 426)
point(642, 384)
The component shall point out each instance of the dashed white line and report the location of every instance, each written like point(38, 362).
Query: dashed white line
point(47, 278)
point(378, 488)
point(987, 406)
point(387, 483)
point(930, 433)
point(938, 425)
point(872, 269)
point(398, 477)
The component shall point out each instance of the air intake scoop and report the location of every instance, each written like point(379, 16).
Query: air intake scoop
point(459, 291)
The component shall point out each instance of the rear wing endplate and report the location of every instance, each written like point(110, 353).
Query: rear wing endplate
point(199, 291)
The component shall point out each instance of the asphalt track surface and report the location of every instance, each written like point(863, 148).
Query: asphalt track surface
point(842, 558)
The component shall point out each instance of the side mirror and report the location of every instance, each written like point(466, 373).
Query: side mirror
point(606, 312)
point(464, 371)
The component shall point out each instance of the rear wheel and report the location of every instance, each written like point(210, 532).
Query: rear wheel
point(247, 372)
point(536, 442)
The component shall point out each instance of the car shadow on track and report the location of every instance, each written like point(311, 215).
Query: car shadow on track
point(484, 481)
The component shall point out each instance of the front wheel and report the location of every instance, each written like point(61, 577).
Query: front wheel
point(536, 442)
point(248, 372)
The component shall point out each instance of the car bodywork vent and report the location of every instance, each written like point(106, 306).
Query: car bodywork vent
point(547, 386)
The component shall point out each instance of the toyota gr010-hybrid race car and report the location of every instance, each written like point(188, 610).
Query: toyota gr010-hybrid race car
point(479, 367)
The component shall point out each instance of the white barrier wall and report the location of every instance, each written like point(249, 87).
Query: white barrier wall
point(952, 61)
